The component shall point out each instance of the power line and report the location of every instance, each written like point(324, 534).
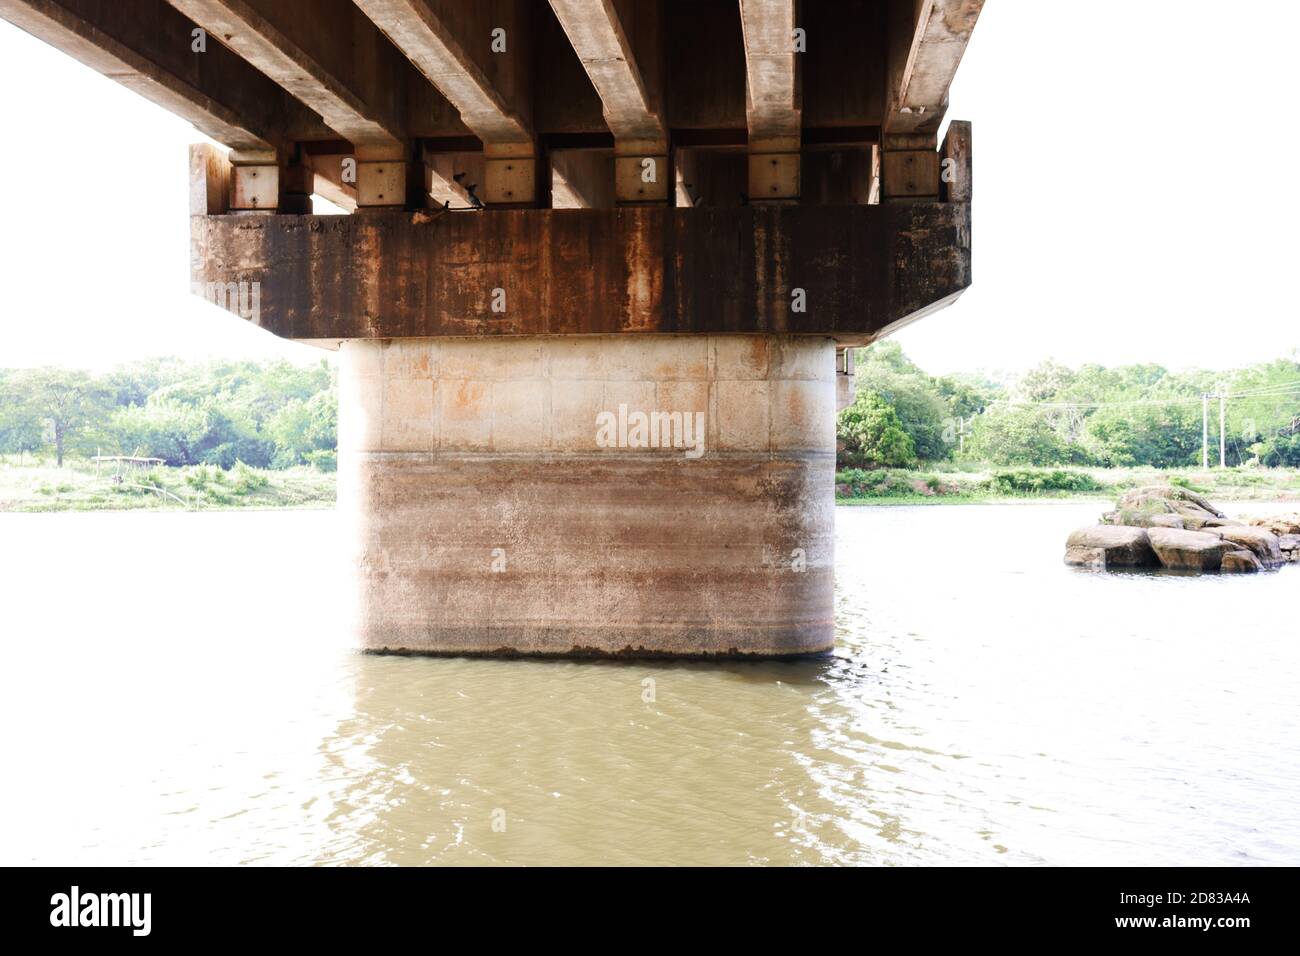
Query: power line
point(1270, 392)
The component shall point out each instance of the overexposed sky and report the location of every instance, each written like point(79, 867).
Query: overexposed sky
point(1133, 199)
point(1132, 187)
point(94, 224)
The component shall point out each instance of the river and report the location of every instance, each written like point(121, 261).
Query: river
point(176, 689)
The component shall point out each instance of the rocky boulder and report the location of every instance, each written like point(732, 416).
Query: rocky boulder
point(1223, 523)
point(1168, 499)
point(1141, 505)
point(1241, 562)
point(1110, 546)
point(1278, 524)
point(1189, 550)
point(1173, 527)
point(1263, 544)
point(1143, 519)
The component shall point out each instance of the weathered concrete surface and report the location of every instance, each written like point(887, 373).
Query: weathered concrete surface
point(864, 270)
point(489, 519)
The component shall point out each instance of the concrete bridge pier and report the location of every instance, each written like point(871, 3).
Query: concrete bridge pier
point(577, 229)
point(603, 494)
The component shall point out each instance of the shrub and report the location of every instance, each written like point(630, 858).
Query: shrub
point(1182, 481)
point(323, 459)
point(887, 483)
point(248, 480)
point(873, 435)
point(1031, 481)
point(203, 475)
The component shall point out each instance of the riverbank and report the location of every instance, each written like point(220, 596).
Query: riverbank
point(982, 484)
point(77, 487)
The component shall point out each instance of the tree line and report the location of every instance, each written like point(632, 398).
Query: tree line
point(277, 414)
point(267, 415)
point(1132, 415)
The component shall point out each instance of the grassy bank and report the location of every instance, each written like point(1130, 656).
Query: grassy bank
point(76, 487)
point(950, 484)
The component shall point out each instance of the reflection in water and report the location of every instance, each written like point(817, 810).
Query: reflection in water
point(984, 705)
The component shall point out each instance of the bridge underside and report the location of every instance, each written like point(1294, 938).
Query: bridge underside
point(596, 297)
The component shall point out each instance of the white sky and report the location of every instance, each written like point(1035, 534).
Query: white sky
point(1134, 199)
point(94, 224)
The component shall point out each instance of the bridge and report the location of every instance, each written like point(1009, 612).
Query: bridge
point(593, 298)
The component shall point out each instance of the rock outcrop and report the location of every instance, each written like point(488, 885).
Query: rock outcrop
point(1168, 499)
point(1287, 529)
point(1176, 528)
point(1263, 544)
point(1144, 519)
point(1105, 546)
point(1189, 550)
point(1241, 561)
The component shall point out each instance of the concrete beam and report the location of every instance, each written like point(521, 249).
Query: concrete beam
point(289, 52)
point(642, 169)
point(149, 48)
point(597, 35)
point(956, 183)
point(329, 181)
point(590, 271)
point(772, 100)
point(909, 174)
point(927, 40)
point(419, 32)
point(772, 107)
point(846, 382)
point(210, 174)
point(297, 45)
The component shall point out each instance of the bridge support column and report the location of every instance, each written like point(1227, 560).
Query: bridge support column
point(591, 495)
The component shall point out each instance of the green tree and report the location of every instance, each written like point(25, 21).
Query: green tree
point(300, 428)
point(883, 369)
point(1044, 382)
point(65, 401)
point(966, 395)
point(1280, 450)
point(873, 435)
point(1162, 435)
point(1017, 435)
point(160, 428)
point(20, 424)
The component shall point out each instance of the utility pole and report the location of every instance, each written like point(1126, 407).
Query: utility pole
point(1205, 429)
point(1223, 458)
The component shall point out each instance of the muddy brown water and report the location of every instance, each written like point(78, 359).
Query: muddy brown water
point(177, 689)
